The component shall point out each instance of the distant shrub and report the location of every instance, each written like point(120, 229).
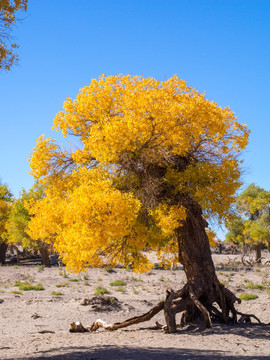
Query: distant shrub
point(246, 296)
point(100, 290)
point(120, 289)
point(118, 283)
point(26, 286)
point(57, 293)
point(16, 292)
point(62, 285)
point(252, 286)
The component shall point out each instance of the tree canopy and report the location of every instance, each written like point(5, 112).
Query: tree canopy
point(5, 205)
point(8, 10)
point(252, 225)
point(19, 217)
point(141, 153)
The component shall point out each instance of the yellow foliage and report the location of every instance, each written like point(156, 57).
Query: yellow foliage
point(136, 138)
point(8, 8)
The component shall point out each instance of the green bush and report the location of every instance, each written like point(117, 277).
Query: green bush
point(62, 285)
point(100, 290)
point(252, 286)
point(118, 283)
point(246, 296)
point(57, 293)
point(26, 286)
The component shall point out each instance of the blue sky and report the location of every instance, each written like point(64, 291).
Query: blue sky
point(220, 47)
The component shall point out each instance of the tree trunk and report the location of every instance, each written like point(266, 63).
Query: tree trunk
point(3, 250)
point(44, 252)
point(203, 287)
point(203, 296)
point(258, 253)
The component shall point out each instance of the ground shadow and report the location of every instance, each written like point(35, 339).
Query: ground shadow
point(250, 331)
point(135, 353)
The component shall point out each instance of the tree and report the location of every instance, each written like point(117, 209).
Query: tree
point(151, 163)
point(18, 220)
point(6, 199)
point(8, 9)
point(253, 224)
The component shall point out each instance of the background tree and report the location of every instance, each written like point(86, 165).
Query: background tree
point(151, 163)
point(6, 199)
point(253, 224)
point(18, 220)
point(8, 10)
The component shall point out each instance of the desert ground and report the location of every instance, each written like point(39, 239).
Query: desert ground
point(35, 324)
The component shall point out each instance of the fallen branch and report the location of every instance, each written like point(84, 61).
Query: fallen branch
point(135, 320)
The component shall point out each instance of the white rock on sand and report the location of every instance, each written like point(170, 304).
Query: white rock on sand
point(35, 324)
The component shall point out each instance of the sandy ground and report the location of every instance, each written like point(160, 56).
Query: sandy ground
point(35, 324)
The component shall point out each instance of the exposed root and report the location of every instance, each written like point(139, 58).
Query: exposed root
point(169, 313)
point(135, 320)
point(246, 318)
point(190, 303)
point(201, 307)
point(160, 326)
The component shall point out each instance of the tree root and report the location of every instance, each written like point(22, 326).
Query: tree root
point(135, 320)
point(202, 308)
point(190, 303)
point(246, 318)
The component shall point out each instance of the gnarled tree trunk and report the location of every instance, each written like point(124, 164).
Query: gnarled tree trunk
point(205, 295)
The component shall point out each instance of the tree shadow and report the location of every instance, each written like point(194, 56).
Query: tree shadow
point(250, 331)
point(135, 353)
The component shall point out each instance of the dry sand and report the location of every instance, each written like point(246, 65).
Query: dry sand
point(26, 318)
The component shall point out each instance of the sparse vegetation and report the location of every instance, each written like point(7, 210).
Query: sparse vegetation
point(135, 291)
point(252, 286)
point(100, 290)
point(118, 283)
point(62, 285)
point(26, 286)
point(40, 268)
point(16, 292)
point(57, 293)
point(246, 296)
point(63, 273)
point(120, 289)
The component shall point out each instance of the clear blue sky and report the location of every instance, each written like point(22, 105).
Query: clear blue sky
point(220, 47)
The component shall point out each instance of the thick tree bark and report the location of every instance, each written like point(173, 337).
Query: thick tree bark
point(204, 289)
point(44, 252)
point(258, 253)
point(3, 250)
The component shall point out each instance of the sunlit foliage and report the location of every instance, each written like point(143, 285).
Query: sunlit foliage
point(6, 199)
point(142, 148)
point(19, 217)
point(8, 10)
point(253, 223)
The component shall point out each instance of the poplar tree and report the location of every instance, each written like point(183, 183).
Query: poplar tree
point(151, 163)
